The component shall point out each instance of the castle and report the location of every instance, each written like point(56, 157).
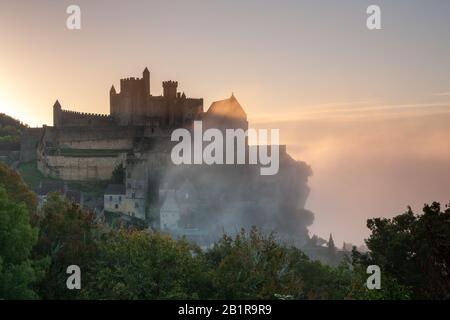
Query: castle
point(135, 106)
point(84, 146)
point(187, 200)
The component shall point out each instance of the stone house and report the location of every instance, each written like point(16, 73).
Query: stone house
point(114, 198)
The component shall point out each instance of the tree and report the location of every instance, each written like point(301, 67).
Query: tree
point(331, 246)
point(331, 252)
point(16, 190)
point(67, 235)
point(17, 237)
point(390, 289)
point(252, 266)
point(321, 281)
point(414, 249)
point(255, 266)
point(10, 131)
point(139, 265)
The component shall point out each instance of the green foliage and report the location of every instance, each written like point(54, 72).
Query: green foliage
point(252, 266)
point(67, 235)
point(7, 122)
point(414, 249)
point(323, 281)
point(10, 127)
point(17, 237)
point(10, 131)
point(413, 252)
point(391, 289)
point(8, 138)
point(139, 265)
point(16, 189)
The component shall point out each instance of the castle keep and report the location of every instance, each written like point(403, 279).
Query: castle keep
point(135, 106)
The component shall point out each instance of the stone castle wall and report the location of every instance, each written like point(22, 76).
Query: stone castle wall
point(79, 168)
point(110, 137)
point(28, 143)
point(84, 153)
point(108, 144)
point(67, 118)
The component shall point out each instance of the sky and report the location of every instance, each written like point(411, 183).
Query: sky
point(368, 110)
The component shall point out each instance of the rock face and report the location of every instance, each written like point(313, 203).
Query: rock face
point(137, 134)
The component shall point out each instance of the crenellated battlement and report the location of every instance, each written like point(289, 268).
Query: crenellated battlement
point(69, 118)
point(86, 114)
point(132, 87)
point(170, 89)
point(170, 83)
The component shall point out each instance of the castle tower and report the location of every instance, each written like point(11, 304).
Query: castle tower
point(56, 112)
point(112, 101)
point(146, 77)
point(170, 89)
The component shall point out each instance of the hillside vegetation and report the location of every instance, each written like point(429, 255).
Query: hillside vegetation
point(412, 251)
point(10, 130)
